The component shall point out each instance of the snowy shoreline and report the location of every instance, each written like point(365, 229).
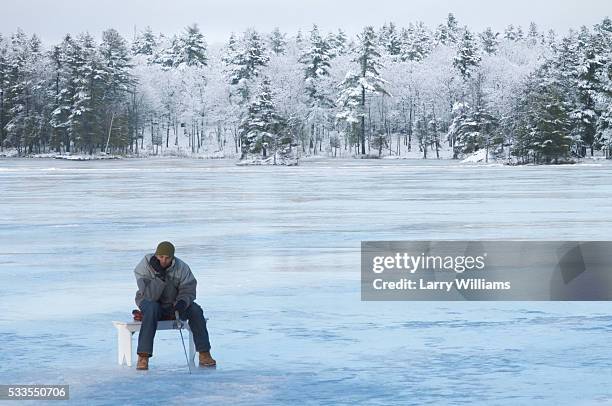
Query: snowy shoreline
point(472, 160)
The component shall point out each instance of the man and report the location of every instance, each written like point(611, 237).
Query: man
point(165, 285)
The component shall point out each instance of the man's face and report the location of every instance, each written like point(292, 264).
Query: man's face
point(164, 260)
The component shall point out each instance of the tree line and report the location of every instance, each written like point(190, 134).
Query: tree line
point(533, 95)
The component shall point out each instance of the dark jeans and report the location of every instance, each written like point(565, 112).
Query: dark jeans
point(152, 312)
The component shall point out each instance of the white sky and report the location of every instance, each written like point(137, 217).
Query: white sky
point(52, 19)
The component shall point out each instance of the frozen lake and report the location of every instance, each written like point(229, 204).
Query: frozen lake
point(276, 254)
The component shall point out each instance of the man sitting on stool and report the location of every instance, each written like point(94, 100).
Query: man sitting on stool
point(165, 285)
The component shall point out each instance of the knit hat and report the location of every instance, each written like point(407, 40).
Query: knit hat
point(165, 248)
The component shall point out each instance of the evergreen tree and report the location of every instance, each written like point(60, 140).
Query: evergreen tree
point(248, 61)
point(166, 55)
point(299, 39)
point(489, 41)
point(381, 35)
point(317, 58)
point(544, 124)
point(349, 99)
point(190, 48)
point(351, 110)
point(4, 83)
point(118, 81)
point(60, 91)
point(520, 36)
point(115, 60)
point(332, 45)
point(474, 129)
point(467, 57)
point(533, 36)
point(231, 50)
point(604, 131)
point(368, 60)
point(23, 103)
point(255, 54)
point(586, 113)
point(551, 39)
point(453, 27)
point(416, 43)
point(264, 130)
point(278, 41)
point(602, 43)
point(391, 40)
point(448, 33)
point(340, 43)
point(510, 33)
point(145, 43)
point(316, 62)
point(86, 116)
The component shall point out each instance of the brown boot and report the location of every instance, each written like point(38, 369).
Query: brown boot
point(143, 361)
point(206, 360)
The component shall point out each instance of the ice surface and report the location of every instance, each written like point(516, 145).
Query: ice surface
point(276, 254)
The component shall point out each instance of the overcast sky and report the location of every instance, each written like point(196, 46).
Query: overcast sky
point(217, 19)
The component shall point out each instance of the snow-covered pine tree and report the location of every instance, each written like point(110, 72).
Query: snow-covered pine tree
point(4, 72)
point(423, 39)
point(602, 40)
point(145, 43)
point(38, 121)
point(489, 41)
point(277, 41)
point(551, 126)
point(520, 35)
point(467, 57)
point(118, 81)
point(368, 59)
point(60, 92)
point(427, 130)
point(87, 80)
point(330, 40)
point(533, 36)
point(415, 42)
point(448, 33)
point(190, 48)
point(350, 108)
point(165, 55)
point(23, 103)
point(473, 129)
point(263, 130)
point(231, 50)
point(585, 111)
point(299, 39)
point(115, 60)
point(15, 96)
point(249, 59)
point(550, 39)
point(340, 43)
point(510, 33)
point(316, 60)
point(391, 41)
point(544, 124)
point(604, 131)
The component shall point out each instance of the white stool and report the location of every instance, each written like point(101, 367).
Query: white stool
point(125, 331)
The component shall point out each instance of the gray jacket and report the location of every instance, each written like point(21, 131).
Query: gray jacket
point(180, 283)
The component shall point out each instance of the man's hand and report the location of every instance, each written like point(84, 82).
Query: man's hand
point(160, 271)
point(180, 306)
